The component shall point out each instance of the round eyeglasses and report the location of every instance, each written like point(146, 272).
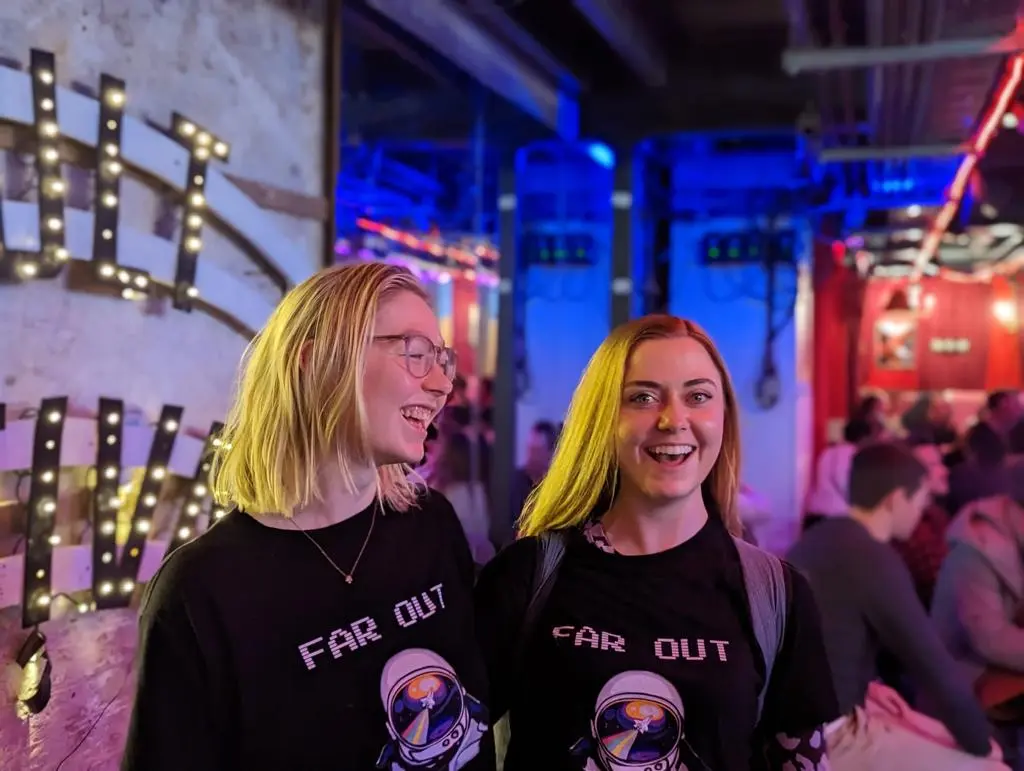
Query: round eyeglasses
point(421, 354)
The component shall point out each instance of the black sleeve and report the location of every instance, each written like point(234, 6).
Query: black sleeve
point(502, 594)
point(904, 629)
point(177, 719)
point(800, 694)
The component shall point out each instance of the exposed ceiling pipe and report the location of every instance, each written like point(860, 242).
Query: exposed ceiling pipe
point(795, 61)
point(619, 27)
point(451, 33)
point(860, 154)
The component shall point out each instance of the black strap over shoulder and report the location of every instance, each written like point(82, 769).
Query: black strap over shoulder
point(550, 553)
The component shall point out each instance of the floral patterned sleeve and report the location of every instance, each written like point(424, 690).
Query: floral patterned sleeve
point(806, 752)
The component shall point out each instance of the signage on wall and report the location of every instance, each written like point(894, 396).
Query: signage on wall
point(949, 345)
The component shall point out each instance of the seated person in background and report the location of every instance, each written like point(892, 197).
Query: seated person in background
point(982, 474)
point(832, 474)
point(452, 476)
point(979, 597)
point(926, 548)
point(867, 602)
point(1003, 411)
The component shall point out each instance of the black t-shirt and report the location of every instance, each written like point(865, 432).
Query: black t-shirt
point(642, 659)
point(255, 653)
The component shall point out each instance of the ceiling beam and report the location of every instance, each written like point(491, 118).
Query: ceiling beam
point(619, 27)
point(797, 60)
point(364, 27)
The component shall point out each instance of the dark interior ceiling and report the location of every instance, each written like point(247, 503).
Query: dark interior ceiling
point(721, 60)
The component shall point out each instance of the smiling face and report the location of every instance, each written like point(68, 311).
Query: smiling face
point(399, 405)
point(671, 420)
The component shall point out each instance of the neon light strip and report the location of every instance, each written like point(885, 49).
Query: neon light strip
point(980, 143)
point(469, 259)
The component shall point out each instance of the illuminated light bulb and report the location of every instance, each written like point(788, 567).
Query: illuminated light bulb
point(197, 199)
point(54, 223)
point(44, 600)
point(110, 149)
point(141, 282)
point(53, 416)
point(106, 557)
point(114, 167)
point(159, 472)
point(61, 253)
point(54, 540)
point(107, 234)
point(50, 444)
point(186, 129)
point(57, 186)
point(203, 138)
point(45, 76)
point(49, 128)
point(192, 292)
point(40, 574)
point(83, 607)
point(200, 490)
point(142, 525)
point(28, 269)
point(127, 586)
point(197, 179)
point(218, 513)
point(109, 200)
point(106, 270)
point(110, 472)
point(193, 244)
point(116, 98)
point(111, 124)
point(113, 418)
point(149, 500)
point(216, 442)
point(48, 507)
point(46, 476)
point(50, 155)
point(111, 439)
point(202, 153)
point(195, 221)
point(184, 533)
point(171, 425)
point(192, 510)
point(129, 294)
point(124, 276)
point(108, 528)
point(115, 503)
point(106, 588)
point(221, 149)
point(46, 104)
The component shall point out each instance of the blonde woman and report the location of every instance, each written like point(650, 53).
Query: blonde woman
point(326, 622)
point(629, 626)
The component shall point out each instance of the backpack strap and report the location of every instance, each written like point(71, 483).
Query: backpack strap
point(550, 553)
point(765, 579)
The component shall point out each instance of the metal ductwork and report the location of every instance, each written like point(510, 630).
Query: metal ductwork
point(452, 34)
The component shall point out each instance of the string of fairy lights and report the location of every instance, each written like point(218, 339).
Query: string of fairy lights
point(115, 567)
point(52, 256)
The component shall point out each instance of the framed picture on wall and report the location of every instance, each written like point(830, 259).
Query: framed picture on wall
point(895, 344)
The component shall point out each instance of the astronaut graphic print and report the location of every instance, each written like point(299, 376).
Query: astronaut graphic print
point(432, 722)
point(638, 723)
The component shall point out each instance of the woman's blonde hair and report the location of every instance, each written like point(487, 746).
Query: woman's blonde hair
point(300, 395)
point(583, 475)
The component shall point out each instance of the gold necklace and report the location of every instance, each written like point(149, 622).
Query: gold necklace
point(352, 571)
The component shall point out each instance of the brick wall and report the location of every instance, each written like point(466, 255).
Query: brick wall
point(251, 71)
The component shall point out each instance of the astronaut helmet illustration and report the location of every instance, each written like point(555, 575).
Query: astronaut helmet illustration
point(428, 716)
point(638, 723)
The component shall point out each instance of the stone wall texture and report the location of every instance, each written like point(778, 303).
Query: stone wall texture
point(251, 71)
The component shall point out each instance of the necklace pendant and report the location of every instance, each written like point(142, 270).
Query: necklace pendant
point(348, 579)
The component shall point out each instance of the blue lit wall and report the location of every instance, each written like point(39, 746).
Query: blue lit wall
point(729, 302)
point(567, 305)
